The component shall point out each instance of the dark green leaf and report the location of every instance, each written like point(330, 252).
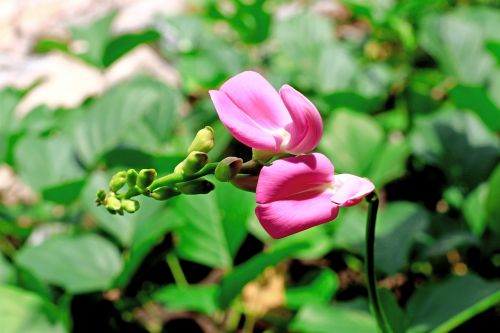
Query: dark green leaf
point(78, 264)
point(431, 308)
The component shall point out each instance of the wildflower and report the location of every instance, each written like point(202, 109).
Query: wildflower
point(259, 117)
point(301, 192)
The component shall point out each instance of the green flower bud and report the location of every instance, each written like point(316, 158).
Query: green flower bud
point(228, 168)
point(203, 141)
point(263, 156)
point(132, 178)
point(130, 206)
point(197, 186)
point(145, 178)
point(164, 193)
point(113, 203)
point(117, 181)
point(100, 197)
point(192, 163)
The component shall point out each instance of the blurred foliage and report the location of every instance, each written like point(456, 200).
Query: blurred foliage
point(410, 96)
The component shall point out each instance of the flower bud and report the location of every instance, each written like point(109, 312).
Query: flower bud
point(130, 206)
point(113, 204)
point(145, 178)
point(245, 182)
point(100, 197)
point(164, 193)
point(117, 181)
point(132, 178)
point(197, 186)
point(203, 141)
point(263, 156)
point(228, 168)
point(192, 163)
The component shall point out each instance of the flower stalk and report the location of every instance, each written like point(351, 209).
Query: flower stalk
point(373, 294)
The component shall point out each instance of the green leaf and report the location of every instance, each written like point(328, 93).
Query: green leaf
point(234, 281)
point(398, 225)
point(123, 44)
point(199, 298)
point(23, 311)
point(320, 318)
point(64, 193)
point(111, 120)
point(474, 209)
point(149, 231)
point(214, 225)
point(78, 264)
point(457, 40)
point(357, 144)
point(96, 37)
point(430, 308)
point(319, 289)
point(398, 321)
point(47, 162)
point(477, 99)
point(442, 139)
point(7, 272)
point(492, 200)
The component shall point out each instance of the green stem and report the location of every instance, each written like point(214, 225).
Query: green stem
point(248, 326)
point(174, 178)
point(378, 311)
point(176, 269)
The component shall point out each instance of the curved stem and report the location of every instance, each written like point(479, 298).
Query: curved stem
point(174, 178)
point(378, 311)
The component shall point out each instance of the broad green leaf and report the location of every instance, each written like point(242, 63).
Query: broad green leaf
point(199, 298)
point(457, 40)
point(112, 118)
point(232, 284)
point(455, 141)
point(25, 312)
point(319, 288)
point(7, 273)
point(94, 38)
point(442, 306)
point(477, 99)
point(397, 318)
point(493, 199)
point(357, 144)
point(121, 45)
point(252, 20)
point(474, 209)
point(322, 318)
point(318, 239)
point(149, 232)
point(398, 224)
point(48, 162)
point(79, 264)
point(214, 225)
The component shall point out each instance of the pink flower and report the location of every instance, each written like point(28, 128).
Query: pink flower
point(259, 117)
point(301, 192)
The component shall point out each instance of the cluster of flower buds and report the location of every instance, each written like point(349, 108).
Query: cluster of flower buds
point(187, 177)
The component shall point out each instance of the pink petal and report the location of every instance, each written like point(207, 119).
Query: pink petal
point(291, 177)
point(350, 189)
point(258, 99)
point(241, 126)
point(286, 217)
point(307, 126)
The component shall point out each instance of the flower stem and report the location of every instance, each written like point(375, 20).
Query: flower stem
point(176, 269)
point(174, 178)
point(378, 311)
